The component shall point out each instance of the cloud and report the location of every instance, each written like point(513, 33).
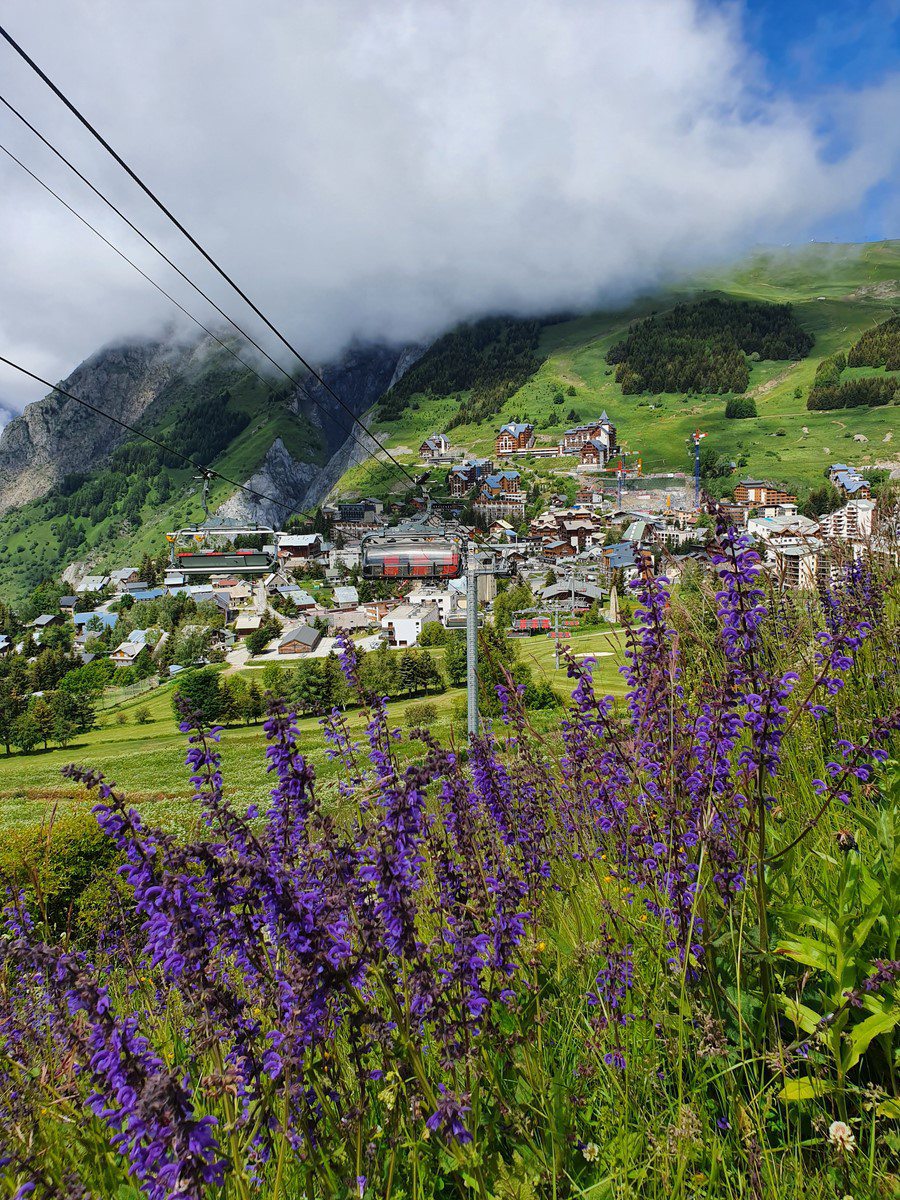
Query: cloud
point(380, 168)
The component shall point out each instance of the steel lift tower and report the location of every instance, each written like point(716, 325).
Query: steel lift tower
point(697, 437)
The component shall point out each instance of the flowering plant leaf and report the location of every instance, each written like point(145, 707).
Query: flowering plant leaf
point(810, 952)
point(805, 1089)
point(801, 1015)
point(862, 1034)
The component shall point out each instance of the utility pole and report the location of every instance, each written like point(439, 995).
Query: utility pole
point(696, 438)
point(473, 572)
point(472, 640)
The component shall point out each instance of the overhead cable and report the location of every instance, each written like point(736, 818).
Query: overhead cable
point(148, 191)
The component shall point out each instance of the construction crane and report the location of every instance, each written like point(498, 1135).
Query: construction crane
point(697, 437)
point(622, 472)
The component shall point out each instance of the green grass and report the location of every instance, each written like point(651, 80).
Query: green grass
point(856, 282)
point(148, 760)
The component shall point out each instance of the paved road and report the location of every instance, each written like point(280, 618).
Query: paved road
point(237, 658)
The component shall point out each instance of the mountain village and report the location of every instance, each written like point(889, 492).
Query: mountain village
point(577, 554)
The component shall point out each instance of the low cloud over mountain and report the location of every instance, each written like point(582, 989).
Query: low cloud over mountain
point(379, 169)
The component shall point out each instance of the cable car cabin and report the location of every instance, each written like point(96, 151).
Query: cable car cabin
point(526, 626)
point(412, 558)
point(237, 562)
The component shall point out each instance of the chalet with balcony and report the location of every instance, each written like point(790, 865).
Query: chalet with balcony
point(435, 446)
point(601, 430)
point(849, 481)
point(464, 477)
point(515, 437)
point(594, 453)
point(751, 493)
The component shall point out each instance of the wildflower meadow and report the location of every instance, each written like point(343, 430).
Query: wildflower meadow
point(650, 952)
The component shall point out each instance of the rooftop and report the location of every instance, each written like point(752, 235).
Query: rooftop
point(306, 635)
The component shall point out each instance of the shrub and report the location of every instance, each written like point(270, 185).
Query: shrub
point(66, 872)
point(200, 690)
point(142, 716)
point(738, 408)
point(420, 715)
point(257, 641)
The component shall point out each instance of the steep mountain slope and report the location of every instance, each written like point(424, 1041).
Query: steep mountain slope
point(55, 436)
point(75, 487)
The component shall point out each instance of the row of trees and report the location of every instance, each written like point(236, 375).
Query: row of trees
point(314, 685)
point(878, 347)
point(491, 359)
point(872, 391)
point(54, 717)
point(702, 347)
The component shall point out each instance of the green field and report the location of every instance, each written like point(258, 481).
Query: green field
point(148, 760)
point(837, 291)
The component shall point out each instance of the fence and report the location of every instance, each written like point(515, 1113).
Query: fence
point(115, 695)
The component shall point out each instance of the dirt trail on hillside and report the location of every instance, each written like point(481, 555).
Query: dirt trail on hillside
point(770, 384)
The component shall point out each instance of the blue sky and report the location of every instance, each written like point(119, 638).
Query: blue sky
point(812, 48)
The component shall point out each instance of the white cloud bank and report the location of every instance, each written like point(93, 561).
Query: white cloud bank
point(379, 169)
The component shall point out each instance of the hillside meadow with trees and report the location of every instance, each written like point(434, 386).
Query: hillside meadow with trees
point(647, 950)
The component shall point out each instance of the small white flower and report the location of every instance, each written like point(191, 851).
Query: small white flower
point(841, 1137)
point(591, 1151)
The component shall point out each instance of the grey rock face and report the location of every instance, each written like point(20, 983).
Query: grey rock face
point(283, 478)
point(56, 436)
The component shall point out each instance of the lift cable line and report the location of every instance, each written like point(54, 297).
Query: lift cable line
point(121, 253)
point(194, 242)
point(196, 287)
point(204, 472)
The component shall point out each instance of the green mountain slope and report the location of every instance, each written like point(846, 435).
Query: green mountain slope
point(123, 499)
point(837, 293)
point(123, 508)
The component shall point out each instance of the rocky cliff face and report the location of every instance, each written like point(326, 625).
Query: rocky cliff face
point(281, 476)
point(360, 378)
point(56, 436)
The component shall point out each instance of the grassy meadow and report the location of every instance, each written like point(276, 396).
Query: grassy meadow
point(147, 760)
point(661, 965)
point(837, 292)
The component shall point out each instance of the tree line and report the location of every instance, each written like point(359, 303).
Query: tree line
point(878, 347)
point(490, 358)
point(871, 391)
point(702, 347)
point(314, 685)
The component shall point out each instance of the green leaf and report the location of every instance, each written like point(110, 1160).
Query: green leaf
point(865, 925)
point(809, 951)
point(889, 1108)
point(862, 1034)
point(802, 1016)
point(805, 1089)
point(799, 914)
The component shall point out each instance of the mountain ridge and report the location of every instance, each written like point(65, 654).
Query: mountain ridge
point(293, 445)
